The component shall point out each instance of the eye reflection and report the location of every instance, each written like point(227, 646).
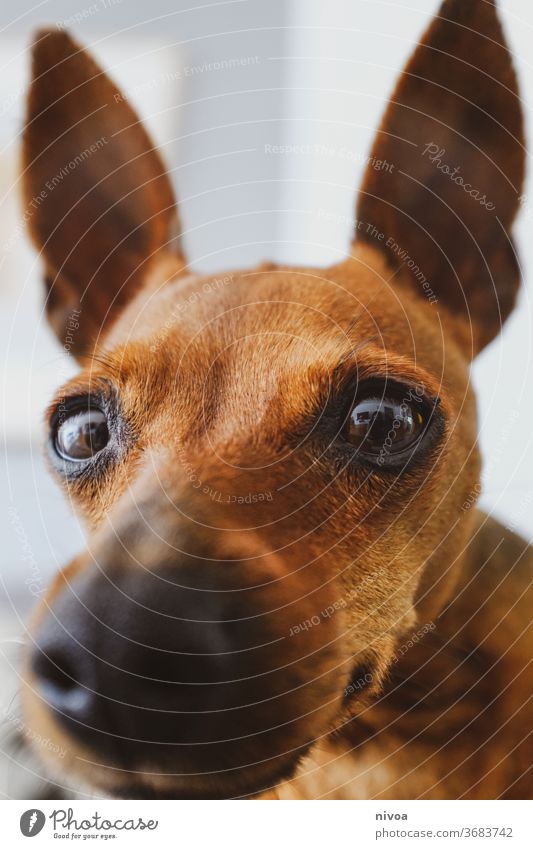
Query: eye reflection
point(82, 434)
point(392, 424)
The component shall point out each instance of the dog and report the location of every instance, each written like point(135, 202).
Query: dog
point(288, 590)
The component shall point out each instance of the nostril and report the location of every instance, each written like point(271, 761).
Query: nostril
point(56, 676)
point(54, 670)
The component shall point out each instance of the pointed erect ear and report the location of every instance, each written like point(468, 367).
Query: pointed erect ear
point(442, 201)
point(97, 199)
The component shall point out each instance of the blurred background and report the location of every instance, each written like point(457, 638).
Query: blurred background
point(221, 85)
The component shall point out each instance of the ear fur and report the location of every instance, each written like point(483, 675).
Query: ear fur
point(453, 133)
point(101, 203)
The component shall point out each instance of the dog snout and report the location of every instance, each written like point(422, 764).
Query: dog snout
point(142, 649)
point(115, 653)
point(185, 665)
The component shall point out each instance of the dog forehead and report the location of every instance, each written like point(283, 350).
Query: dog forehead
point(233, 303)
point(243, 345)
point(267, 307)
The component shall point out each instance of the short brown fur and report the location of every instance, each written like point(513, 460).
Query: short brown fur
point(221, 381)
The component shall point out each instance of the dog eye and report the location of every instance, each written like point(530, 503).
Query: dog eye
point(82, 433)
point(384, 426)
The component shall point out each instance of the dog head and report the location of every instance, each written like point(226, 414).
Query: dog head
point(273, 464)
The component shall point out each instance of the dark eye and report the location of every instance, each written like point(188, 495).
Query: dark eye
point(386, 427)
point(81, 433)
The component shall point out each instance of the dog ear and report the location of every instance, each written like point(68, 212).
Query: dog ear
point(441, 202)
point(97, 199)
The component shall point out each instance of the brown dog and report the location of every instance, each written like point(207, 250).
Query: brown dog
point(288, 589)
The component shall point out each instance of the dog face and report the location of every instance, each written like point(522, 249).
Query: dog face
point(273, 464)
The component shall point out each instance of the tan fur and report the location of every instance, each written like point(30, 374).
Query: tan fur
point(219, 379)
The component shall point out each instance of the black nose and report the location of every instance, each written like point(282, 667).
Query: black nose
point(148, 665)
